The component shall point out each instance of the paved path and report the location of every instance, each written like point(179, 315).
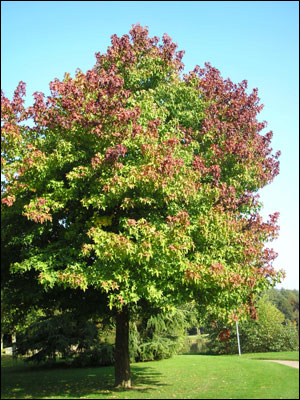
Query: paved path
point(294, 364)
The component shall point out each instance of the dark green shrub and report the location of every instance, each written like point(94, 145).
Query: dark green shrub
point(158, 348)
point(58, 336)
point(100, 355)
point(159, 336)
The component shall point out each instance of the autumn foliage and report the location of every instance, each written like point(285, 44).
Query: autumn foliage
point(142, 181)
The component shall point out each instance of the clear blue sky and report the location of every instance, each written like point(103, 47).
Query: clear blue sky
point(253, 40)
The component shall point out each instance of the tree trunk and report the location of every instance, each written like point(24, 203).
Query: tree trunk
point(122, 362)
point(14, 345)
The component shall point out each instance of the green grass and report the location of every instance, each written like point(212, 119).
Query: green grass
point(182, 377)
point(284, 355)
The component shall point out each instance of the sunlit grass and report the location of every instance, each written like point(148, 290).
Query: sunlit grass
point(284, 355)
point(182, 377)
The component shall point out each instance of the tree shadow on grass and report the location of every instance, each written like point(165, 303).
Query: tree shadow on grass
point(146, 378)
point(60, 382)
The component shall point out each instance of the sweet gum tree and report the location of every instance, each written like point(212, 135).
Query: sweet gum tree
point(141, 182)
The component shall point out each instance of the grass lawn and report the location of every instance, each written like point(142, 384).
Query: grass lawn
point(181, 377)
point(284, 355)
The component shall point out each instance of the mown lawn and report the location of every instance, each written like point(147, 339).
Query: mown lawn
point(284, 355)
point(181, 377)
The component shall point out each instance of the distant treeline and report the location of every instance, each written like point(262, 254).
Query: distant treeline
point(286, 301)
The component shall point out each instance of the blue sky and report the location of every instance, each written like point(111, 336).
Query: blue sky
point(253, 40)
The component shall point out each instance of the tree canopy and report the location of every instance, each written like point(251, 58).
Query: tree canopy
point(141, 181)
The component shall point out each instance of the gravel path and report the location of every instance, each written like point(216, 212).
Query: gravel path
point(294, 364)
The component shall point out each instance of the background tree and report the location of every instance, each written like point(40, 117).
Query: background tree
point(140, 182)
point(287, 301)
point(159, 335)
point(269, 332)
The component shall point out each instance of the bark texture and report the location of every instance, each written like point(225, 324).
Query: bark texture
point(122, 361)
